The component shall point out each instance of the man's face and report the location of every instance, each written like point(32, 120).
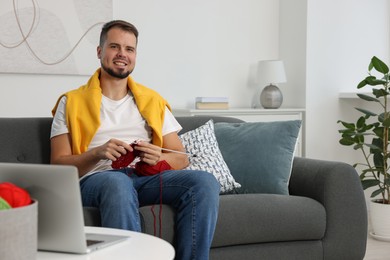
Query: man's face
point(118, 54)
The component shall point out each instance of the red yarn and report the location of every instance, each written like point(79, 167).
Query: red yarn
point(144, 169)
point(124, 160)
point(160, 212)
point(14, 195)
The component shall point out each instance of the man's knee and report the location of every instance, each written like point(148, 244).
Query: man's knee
point(117, 185)
point(207, 183)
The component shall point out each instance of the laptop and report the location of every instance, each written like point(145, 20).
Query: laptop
point(60, 213)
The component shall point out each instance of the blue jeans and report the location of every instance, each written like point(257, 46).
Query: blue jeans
point(194, 194)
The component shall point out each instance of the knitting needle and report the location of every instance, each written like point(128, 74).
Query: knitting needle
point(169, 150)
point(174, 151)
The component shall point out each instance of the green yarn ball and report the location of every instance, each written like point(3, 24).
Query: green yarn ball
point(4, 204)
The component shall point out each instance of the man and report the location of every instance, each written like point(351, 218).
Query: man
point(95, 124)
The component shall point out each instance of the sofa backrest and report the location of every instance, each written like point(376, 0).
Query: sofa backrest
point(27, 140)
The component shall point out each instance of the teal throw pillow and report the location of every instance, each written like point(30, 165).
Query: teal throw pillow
point(259, 155)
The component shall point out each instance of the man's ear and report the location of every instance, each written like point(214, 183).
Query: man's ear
point(99, 52)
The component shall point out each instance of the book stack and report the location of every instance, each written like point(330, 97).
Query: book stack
point(212, 103)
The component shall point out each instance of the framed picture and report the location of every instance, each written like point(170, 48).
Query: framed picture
point(51, 37)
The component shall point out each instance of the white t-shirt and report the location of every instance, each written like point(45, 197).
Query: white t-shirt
point(120, 119)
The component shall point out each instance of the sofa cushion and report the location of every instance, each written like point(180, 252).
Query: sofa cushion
point(202, 143)
point(252, 218)
point(258, 218)
point(259, 155)
point(150, 221)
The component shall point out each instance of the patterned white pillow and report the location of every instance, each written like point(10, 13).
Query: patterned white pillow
point(203, 143)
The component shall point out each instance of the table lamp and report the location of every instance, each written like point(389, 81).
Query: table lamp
point(272, 72)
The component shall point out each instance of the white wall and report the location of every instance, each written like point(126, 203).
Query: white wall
point(342, 36)
point(24, 95)
point(202, 48)
point(292, 50)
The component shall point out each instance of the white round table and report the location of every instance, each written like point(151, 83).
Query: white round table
point(139, 246)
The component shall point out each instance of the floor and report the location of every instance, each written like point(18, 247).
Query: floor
point(376, 249)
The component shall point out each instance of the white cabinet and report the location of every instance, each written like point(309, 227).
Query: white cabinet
point(257, 115)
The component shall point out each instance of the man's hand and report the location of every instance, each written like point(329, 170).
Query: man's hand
point(61, 153)
point(112, 150)
point(148, 153)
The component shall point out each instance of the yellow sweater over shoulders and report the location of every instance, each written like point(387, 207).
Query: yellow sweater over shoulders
point(83, 111)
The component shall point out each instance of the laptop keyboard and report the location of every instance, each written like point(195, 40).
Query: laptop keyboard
point(93, 242)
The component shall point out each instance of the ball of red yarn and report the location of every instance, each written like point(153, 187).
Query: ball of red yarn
point(14, 195)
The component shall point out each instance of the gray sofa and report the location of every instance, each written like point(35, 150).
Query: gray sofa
point(324, 217)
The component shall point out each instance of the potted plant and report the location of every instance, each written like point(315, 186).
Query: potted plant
point(370, 134)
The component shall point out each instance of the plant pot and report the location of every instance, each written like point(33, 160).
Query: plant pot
point(19, 232)
point(380, 220)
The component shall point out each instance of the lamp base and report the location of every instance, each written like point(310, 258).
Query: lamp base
point(271, 97)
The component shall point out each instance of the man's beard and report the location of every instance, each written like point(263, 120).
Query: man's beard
point(114, 74)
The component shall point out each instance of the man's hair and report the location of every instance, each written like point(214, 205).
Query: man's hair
point(123, 25)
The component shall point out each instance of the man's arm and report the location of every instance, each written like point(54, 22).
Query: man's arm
point(61, 153)
point(176, 161)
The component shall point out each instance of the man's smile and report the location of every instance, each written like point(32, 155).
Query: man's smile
point(120, 63)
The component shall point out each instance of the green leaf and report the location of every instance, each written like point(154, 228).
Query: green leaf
point(366, 128)
point(370, 66)
point(358, 146)
point(369, 79)
point(369, 183)
point(387, 182)
point(378, 131)
point(362, 84)
point(380, 93)
point(382, 116)
point(377, 142)
point(367, 97)
point(375, 82)
point(354, 165)
point(347, 125)
point(378, 161)
point(379, 65)
point(366, 112)
point(386, 123)
point(347, 132)
point(345, 141)
point(359, 139)
point(365, 171)
point(373, 148)
point(377, 192)
point(361, 122)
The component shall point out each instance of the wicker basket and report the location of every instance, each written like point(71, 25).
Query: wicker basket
point(19, 232)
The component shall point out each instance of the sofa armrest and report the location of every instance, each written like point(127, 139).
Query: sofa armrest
point(337, 187)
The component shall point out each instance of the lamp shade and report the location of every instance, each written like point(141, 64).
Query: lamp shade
point(271, 71)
